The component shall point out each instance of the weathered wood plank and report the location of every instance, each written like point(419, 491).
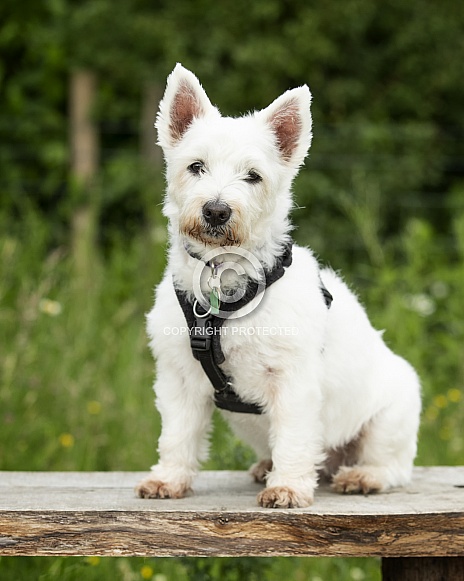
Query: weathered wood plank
point(99, 514)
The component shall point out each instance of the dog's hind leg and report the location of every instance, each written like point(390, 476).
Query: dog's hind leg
point(383, 462)
point(386, 448)
point(260, 470)
point(253, 430)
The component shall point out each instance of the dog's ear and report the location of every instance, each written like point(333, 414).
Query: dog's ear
point(184, 101)
point(289, 117)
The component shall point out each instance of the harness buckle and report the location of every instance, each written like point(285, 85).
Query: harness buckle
point(200, 338)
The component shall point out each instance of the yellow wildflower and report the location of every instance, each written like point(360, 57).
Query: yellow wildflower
point(66, 440)
point(454, 395)
point(147, 572)
point(94, 407)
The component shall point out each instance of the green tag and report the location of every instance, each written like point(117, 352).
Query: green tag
point(214, 301)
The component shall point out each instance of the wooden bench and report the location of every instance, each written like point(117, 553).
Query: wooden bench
point(418, 531)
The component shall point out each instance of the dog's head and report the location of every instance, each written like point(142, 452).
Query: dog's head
point(229, 178)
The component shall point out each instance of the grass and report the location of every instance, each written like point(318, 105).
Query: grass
point(76, 374)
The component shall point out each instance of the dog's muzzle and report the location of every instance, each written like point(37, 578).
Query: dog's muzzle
point(216, 213)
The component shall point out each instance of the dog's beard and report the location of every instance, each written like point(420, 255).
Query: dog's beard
point(227, 235)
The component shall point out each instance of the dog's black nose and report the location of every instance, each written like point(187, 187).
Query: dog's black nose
point(216, 213)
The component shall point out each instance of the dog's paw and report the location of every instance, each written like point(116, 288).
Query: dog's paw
point(260, 470)
point(150, 488)
point(352, 480)
point(283, 497)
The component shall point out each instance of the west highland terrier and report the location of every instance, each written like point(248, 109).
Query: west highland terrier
point(249, 322)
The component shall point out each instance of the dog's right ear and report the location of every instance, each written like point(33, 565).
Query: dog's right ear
point(184, 101)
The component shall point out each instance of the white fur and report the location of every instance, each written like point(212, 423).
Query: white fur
point(323, 376)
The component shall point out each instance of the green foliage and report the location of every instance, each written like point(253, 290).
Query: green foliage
point(54, 326)
point(226, 569)
point(385, 77)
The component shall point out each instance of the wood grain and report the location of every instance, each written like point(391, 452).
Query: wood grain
point(99, 514)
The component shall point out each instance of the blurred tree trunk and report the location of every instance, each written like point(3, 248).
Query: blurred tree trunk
point(85, 143)
point(151, 154)
point(152, 166)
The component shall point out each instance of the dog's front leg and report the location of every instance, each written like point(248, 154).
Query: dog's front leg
point(296, 443)
point(186, 411)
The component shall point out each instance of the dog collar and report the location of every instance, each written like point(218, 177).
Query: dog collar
point(205, 333)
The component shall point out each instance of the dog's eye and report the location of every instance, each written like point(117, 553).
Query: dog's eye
point(196, 167)
point(253, 177)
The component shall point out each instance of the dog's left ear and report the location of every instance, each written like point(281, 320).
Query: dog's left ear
point(289, 117)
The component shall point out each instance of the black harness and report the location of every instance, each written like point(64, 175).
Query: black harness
point(205, 335)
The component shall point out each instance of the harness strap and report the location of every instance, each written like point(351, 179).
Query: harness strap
point(328, 298)
point(205, 335)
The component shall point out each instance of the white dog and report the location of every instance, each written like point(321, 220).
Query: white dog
point(334, 398)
